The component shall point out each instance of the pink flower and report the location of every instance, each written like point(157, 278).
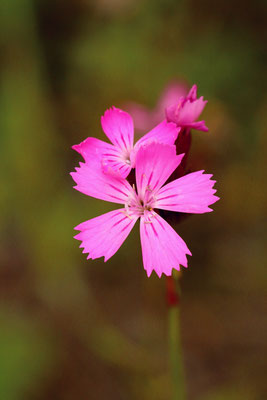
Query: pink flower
point(187, 110)
point(119, 157)
point(162, 248)
point(145, 119)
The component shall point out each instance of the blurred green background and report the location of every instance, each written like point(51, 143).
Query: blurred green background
point(75, 329)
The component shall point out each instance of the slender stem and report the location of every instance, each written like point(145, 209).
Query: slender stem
point(176, 362)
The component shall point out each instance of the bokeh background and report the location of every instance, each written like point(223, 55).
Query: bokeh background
point(75, 329)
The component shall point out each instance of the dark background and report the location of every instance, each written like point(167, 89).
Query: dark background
point(75, 329)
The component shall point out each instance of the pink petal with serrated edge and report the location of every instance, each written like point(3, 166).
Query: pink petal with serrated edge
point(162, 248)
point(155, 162)
point(109, 156)
point(91, 180)
point(193, 193)
point(92, 147)
point(165, 132)
point(186, 110)
point(103, 236)
point(118, 126)
point(190, 111)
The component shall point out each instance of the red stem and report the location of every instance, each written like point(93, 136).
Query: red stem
point(173, 297)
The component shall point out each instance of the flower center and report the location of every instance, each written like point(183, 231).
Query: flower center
point(137, 205)
point(126, 156)
point(127, 159)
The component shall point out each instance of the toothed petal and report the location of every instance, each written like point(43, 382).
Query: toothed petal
point(193, 193)
point(162, 248)
point(103, 236)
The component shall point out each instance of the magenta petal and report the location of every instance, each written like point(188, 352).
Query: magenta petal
point(142, 117)
point(191, 111)
point(103, 236)
point(92, 147)
point(145, 119)
point(192, 95)
point(199, 126)
point(187, 110)
point(118, 126)
point(170, 95)
point(193, 193)
point(91, 180)
point(116, 166)
point(172, 114)
point(162, 248)
point(110, 157)
point(165, 132)
point(155, 162)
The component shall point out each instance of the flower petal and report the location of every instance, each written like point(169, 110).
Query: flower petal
point(192, 95)
point(155, 162)
point(91, 180)
point(92, 147)
point(198, 126)
point(118, 126)
point(165, 132)
point(193, 193)
point(103, 236)
point(110, 156)
point(162, 248)
point(116, 165)
point(171, 94)
point(186, 111)
point(142, 116)
point(190, 111)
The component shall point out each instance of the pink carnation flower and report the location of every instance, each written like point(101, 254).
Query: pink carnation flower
point(187, 110)
point(119, 157)
point(144, 118)
point(162, 248)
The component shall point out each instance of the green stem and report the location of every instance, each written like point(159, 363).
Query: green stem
point(176, 361)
